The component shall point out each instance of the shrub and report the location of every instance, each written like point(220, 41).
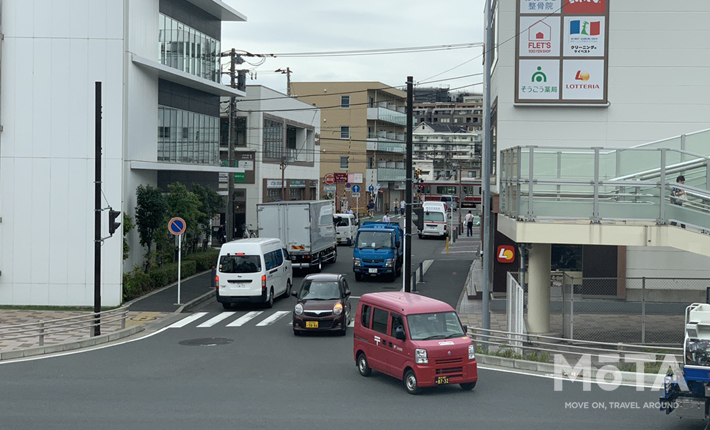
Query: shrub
point(205, 260)
point(135, 283)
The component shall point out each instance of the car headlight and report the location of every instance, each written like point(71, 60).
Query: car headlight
point(471, 352)
point(298, 309)
point(420, 356)
point(356, 262)
point(338, 309)
point(389, 262)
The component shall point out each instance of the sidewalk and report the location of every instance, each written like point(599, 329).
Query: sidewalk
point(143, 311)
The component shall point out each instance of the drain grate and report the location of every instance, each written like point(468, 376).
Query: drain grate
point(207, 341)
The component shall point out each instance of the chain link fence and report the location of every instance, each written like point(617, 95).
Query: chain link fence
point(628, 310)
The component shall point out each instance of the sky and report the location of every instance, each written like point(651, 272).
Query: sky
point(287, 27)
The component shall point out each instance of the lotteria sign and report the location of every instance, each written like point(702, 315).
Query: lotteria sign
point(506, 254)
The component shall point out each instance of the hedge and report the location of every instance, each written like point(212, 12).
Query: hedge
point(138, 283)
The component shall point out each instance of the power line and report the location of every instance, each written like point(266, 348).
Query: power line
point(376, 51)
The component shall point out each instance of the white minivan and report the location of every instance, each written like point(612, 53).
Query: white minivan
point(345, 228)
point(434, 223)
point(253, 270)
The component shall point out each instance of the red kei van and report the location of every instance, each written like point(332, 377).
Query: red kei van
point(414, 338)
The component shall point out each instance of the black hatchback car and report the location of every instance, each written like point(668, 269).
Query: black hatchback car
point(323, 304)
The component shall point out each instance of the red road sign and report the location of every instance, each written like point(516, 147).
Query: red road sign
point(341, 178)
point(177, 226)
point(329, 179)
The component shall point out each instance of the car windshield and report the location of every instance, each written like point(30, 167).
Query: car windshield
point(317, 290)
point(440, 325)
point(240, 263)
point(433, 216)
point(374, 239)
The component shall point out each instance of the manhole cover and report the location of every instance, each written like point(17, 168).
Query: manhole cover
point(207, 341)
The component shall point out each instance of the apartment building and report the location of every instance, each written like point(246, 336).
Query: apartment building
point(158, 62)
point(362, 140)
point(467, 113)
point(445, 152)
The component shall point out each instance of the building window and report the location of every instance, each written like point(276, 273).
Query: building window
point(291, 137)
point(344, 162)
point(186, 49)
point(345, 132)
point(345, 102)
point(187, 137)
point(445, 120)
point(273, 139)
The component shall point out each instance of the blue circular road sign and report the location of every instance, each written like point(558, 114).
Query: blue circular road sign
point(371, 188)
point(177, 226)
point(355, 188)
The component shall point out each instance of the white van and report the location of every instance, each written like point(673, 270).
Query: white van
point(345, 228)
point(434, 223)
point(253, 270)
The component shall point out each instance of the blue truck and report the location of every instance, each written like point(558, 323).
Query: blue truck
point(378, 250)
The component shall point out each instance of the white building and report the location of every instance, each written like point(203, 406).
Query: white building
point(444, 151)
point(277, 130)
point(604, 76)
point(158, 63)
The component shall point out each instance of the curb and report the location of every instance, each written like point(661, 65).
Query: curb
point(549, 369)
point(68, 346)
point(194, 302)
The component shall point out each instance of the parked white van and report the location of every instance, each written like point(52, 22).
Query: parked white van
point(253, 270)
point(434, 223)
point(345, 228)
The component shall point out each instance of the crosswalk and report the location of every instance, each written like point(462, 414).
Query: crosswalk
point(235, 319)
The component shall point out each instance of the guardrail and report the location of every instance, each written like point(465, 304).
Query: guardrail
point(542, 348)
point(45, 328)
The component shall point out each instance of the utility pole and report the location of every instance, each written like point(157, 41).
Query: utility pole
point(229, 213)
point(286, 72)
point(409, 196)
point(487, 157)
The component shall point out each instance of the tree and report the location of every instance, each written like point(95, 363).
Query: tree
point(185, 204)
point(210, 204)
point(127, 227)
point(151, 215)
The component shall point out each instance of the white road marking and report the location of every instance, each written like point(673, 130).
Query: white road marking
point(244, 319)
point(212, 321)
point(273, 318)
point(187, 320)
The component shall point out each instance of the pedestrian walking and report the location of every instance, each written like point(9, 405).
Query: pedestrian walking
point(469, 224)
point(402, 205)
point(386, 218)
point(678, 196)
point(396, 206)
point(371, 208)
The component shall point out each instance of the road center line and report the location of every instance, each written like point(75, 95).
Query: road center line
point(273, 318)
point(212, 321)
point(244, 319)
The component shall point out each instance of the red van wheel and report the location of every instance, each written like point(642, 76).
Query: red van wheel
point(468, 386)
point(362, 365)
point(410, 382)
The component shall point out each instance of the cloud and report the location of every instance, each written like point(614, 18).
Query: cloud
point(279, 26)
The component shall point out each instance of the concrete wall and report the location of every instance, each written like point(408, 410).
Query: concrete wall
point(53, 54)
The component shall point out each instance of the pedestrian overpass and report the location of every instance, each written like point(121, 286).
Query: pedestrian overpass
point(602, 196)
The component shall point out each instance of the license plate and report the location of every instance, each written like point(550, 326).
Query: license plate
point(442, 380)
point(373, 270)
point(311, 324)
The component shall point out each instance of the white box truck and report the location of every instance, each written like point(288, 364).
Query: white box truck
point(305, 227)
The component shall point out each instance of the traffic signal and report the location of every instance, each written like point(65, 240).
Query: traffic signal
point(112, 224)
point(416, 174)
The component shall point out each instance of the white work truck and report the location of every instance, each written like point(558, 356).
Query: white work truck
point(305, 227)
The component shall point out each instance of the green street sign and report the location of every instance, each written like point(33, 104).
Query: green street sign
point(240, 177)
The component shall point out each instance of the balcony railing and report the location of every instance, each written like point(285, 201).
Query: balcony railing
point(386, 115)
point(390, 175)
point(602, 184)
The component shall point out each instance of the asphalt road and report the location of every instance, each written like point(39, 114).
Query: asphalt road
point(262, 377)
